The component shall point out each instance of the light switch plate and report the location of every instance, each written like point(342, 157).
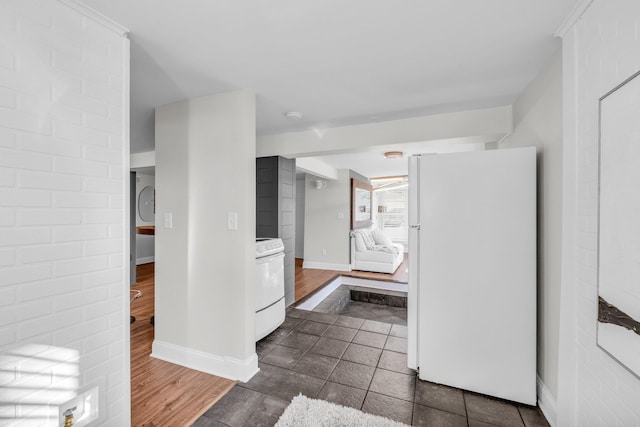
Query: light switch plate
point(168, 220)
point(232, 220)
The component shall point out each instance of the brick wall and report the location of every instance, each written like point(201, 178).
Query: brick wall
point(286, 223)
point(601, 51)
point(63, 185)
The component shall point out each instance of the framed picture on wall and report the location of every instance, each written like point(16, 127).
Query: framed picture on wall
point(360, 204)
point(619, 224)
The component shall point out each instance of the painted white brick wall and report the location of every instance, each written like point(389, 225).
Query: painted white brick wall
point(64, 297)
point(604, 49)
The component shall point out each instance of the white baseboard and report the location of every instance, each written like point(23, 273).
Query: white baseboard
point(145, 260)
point(375, 284)
point(547, 402)
point(227, 367)
point(326, 266)
point(315, 299)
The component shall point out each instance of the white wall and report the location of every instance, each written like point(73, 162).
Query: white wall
point(300, 200)
point(205, 169)
point(326, 223)
point(600, 51)
point(316, 167)
point(145, 244)
point(487, 125)
point(64, 168)
point(142, 160)
point(537, 117)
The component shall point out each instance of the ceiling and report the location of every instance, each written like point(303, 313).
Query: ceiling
point(336, 62)
point(372, 163)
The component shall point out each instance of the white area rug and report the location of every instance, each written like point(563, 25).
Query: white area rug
point(305, 412)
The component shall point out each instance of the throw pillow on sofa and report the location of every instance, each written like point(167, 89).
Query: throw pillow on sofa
point(368, 239)
point(360, 245)
point(380, 238)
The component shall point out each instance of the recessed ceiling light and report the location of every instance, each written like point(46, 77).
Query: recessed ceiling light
point(293, 115)
point(392, 154)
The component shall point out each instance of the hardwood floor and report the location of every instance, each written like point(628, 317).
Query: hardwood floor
point(308, 280)
point(164, 394)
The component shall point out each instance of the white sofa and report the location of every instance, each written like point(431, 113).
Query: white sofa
point(372, 250)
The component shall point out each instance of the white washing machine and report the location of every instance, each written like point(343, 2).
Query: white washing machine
point(270, 308)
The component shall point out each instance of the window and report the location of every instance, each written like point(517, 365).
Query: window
point(393, 214)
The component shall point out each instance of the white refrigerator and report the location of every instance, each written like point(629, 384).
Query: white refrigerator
point(472, 271)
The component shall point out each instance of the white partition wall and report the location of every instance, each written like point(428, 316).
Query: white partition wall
point(205, 234)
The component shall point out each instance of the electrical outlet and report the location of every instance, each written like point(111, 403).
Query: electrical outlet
point(84, 408)
point(324, 252)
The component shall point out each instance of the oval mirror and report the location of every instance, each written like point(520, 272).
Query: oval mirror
point(147, 204)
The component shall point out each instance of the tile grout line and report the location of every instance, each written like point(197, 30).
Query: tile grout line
point(413, 404)
point(309, 350)
point(464, 400)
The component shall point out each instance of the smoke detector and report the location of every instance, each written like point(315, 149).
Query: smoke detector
point(293, 115)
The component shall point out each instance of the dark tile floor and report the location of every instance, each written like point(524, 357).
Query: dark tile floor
point(358, 363)
point(382, 313)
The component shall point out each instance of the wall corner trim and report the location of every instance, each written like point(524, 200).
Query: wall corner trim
point(326, 266)
point(574, 16)
point(96, 16)
point(222, 366)
point(547, 402)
